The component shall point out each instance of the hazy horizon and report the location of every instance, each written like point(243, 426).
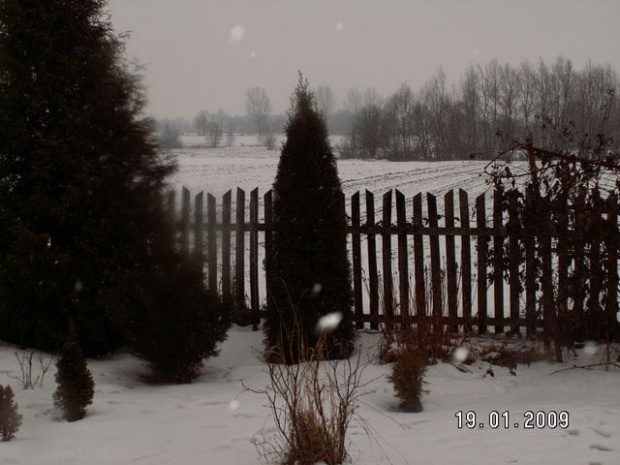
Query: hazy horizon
point(205, 54)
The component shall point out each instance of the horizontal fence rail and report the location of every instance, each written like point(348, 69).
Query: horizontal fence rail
point(424, 257)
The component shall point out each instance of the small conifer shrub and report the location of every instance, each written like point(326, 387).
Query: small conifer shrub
point(10, 419)
point(407, 377)
point(75, 383)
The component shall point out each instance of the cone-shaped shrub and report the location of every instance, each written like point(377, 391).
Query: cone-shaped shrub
point(75, 383)
point(407, 377)
point(308, 269)
point(179, 323)
point(10, 419)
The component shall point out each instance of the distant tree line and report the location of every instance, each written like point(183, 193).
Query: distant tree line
point(492, 105)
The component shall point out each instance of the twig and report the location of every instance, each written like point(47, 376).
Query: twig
point(587, 367)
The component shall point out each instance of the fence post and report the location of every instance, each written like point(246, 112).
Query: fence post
point(465, 258)
point(451, 261)
point(357, 260)
point(481, 224)
point(268, 199)
point(514, 233)
point(403, 257)
point(198, 234)
point(498, 261)
point(185, 222)
point(436, 284)
point(388, 284)
point(418, 256)
point(226, 233)
point(212, 242)
point(254, 292)
point(240, 251)
point(611, 304)
point(529, 234)
point(372, 261)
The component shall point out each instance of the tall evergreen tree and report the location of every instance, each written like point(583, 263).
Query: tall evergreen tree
point(308, 271)
point(79, 176)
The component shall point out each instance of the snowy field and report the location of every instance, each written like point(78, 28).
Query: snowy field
point(213, 420)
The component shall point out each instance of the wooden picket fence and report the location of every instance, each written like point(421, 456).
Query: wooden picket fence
point(414, 266)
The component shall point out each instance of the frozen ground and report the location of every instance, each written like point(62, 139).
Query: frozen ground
point(212, 420)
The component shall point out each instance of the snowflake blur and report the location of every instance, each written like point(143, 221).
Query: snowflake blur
point(329, 322)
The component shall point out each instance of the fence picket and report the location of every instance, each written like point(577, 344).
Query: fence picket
point(185, 222)
point(240, 251)
point(452, 285)
point(481, 223)
point(198, 233)
point(514, 259)
point(357, 260)
point(498, 262)
point(372, 262)
point(465, 259)
point(226, 233)
point(254, 293)
point(212, 241)
point(436, 285)
point(403, 257)
point(388, 283)
point(418, 258)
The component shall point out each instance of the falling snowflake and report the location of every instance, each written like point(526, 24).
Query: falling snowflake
point(237, 33)
point(252, 54)
point(460, 354)
point(339, 26)
point(590, 348)
point(234, 405)
point(318, 287)
point(329, 322)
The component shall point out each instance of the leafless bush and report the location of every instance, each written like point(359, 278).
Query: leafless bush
point(312, 404)
point(29, 379)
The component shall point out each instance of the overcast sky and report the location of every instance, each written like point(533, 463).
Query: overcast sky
point(204, 54)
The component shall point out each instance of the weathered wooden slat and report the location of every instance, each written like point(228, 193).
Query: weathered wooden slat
point(388, 284)
point(452, 284)
point(481, 221)
point(436, 284)
point(357, 262)
point(465, 259)
point(544, 240)
point(185, 228)
point(240, 251)
point(198, 233)
point(514, 260)
point(171, 204)
point(531, 269)
point(596, 267)
point(418, 259)
point(611, 265)
point(498, 263)
point(403, 257)
point(268, 201)
point(579, 273)
point(372, 263)
point(254, 292)
point(212, 242)
point(563, 253)
point(226, 233)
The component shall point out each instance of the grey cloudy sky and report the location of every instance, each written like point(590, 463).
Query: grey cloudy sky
point(204, 54)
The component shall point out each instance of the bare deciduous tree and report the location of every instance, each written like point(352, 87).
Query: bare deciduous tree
point(258, 106)
point(325, 100)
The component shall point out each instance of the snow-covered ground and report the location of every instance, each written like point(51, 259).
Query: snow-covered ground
point(213, 420)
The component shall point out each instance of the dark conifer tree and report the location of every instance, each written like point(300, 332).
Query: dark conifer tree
point(76, 387)
point(79, 176)
point(308, 271)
